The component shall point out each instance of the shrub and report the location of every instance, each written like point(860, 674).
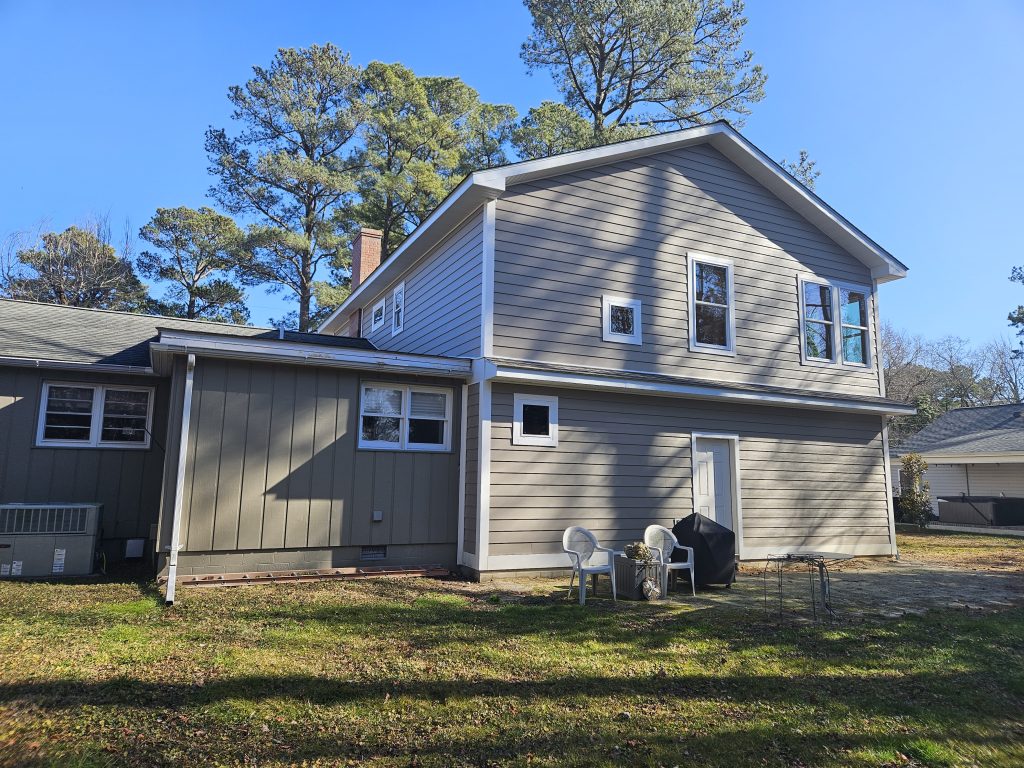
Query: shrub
point(915, 493)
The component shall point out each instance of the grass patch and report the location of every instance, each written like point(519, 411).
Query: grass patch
point(429, 673)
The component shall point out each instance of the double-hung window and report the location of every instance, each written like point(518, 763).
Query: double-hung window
point(398, 309)
point(405, 418)
point(834, 323)
point(95, 416)
point(621, 320)
point(712, 326)
point(377, 316)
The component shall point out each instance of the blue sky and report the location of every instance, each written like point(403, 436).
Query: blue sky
point(911, 110)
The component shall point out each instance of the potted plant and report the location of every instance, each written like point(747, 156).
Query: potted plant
point(637, 574)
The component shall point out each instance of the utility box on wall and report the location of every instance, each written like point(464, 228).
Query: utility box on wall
point(40, 540)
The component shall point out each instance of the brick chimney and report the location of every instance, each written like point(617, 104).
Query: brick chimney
point(365, 259)
point(365, 255)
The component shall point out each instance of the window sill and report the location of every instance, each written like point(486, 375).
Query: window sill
point(694, 347)
point(393, 449)
point(88, 447)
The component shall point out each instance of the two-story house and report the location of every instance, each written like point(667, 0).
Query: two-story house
point(611, 338)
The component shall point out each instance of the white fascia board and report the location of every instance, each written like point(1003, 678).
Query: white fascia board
point(268, 350)
point(467, 197)
point(1009, 457)
point(696, 392)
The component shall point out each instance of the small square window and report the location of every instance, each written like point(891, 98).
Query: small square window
point(377, 317)
point(535, 420)
point(621, 320)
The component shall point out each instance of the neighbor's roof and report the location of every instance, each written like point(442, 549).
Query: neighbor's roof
point(51, 333)
point(986, 430)
point(483, 186)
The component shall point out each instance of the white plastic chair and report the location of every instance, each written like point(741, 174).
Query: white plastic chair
point(663, 542)
point(580, 544)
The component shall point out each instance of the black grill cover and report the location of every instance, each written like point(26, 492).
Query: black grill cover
point(714, 549)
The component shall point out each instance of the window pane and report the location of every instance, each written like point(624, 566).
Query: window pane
point(124, 416)
point(381, 429)
point(855, 344)
point(536, 420)
point(711, 283)
point(854, 307)
point(711, 325)
point(378, 314)
point(68, 413)
point(818, 340)
point(429, 404)
point(426, 431)
point(621, 320)
point(817, 302)
point(387, 402)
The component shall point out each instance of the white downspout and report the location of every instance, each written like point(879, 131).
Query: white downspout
point(179, 483)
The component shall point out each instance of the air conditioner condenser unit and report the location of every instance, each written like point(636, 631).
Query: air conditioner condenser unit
point(40, 540)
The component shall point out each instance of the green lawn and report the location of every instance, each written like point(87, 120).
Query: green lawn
point(439, 673)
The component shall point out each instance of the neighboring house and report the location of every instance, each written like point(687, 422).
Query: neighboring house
point(971, 452)
point(611, 337)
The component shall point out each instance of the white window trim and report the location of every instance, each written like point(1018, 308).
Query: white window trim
point(692, 258)
point(96, 422)
point(396, 328)
point(607, 302)
point(403, 444)
point(837, 323)
point(545, 441)
point(376, 325)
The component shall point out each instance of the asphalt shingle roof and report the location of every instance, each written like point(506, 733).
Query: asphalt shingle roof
point(76, 335)
point(989, 429)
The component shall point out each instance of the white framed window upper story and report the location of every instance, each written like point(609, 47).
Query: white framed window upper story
point(398, 309)
point(712, 310)
point(535, 420)
point(378, 314)
point(73, 415)
point(621, 320)
point(397, 417)
point(835, 323)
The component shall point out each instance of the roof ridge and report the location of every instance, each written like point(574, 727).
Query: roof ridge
point(134, 314)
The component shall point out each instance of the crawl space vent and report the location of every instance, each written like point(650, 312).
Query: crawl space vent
point(373, 553)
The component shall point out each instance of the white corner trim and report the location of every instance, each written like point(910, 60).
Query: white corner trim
point(735, 480)
point(692, 259)
point(487, 279)
point(634, 305)
point(179, 481)
point(463, 428)
point(887, 467)
point(549, 440)
point(483, 507)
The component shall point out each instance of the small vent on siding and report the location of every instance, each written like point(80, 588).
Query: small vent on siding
point(373, 553)
point(36, 520)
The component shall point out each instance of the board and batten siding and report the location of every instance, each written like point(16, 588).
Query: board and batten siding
point(469, 522)
point(273, 464)
point(951, 480)
point(442, 299)
point(625, 229)
point(126, 481)
point(811, 479)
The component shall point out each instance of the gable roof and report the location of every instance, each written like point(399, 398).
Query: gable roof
point(483, 186)
point(52, 333)
point(992, 429)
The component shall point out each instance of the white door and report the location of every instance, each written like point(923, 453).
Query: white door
point(712, 477)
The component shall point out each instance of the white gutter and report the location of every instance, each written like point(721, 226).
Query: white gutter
point(271, 350)
point(179, 483)
point(1009, 457)
point(698, 392)
point(32, 362)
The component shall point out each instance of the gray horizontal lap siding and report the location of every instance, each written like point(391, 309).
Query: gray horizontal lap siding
point(808, 478)
point(127, 482)
point(442, 299)
point(625, 230)
point(273, 464)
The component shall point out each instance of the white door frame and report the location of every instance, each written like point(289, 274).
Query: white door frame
point(734, 458)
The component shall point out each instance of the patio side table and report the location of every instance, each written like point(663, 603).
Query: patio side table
point(630, 576)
